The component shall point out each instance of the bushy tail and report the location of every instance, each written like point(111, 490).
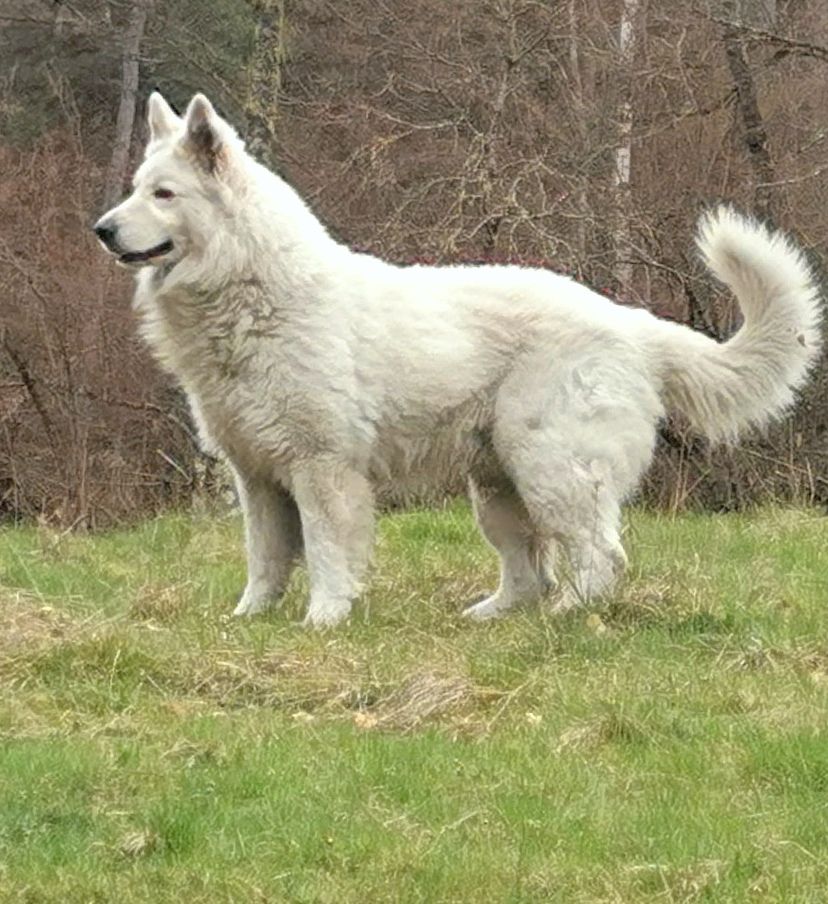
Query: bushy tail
point(726, 387)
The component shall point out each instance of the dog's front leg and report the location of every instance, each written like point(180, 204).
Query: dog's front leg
point(274, 542)
point(337, 511)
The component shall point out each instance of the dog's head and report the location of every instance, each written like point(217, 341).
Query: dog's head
point(182, 190)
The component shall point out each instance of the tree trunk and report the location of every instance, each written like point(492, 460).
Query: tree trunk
point(578, 102)
point(622, 234)
point(265, 88)
point(755, 136)
point(130, 68)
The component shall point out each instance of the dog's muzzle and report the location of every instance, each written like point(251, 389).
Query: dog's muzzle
point(139, 257)
point(106, 234)
point(108, 238)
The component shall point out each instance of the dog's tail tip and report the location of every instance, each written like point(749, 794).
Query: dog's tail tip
point(752, 377)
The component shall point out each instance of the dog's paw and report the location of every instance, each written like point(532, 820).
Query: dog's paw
point(252, 603)
point(327, 616)
point(486, 610)
point(565, 599)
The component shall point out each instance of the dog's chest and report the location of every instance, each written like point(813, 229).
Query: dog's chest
point(201, 336)
point(224, 348)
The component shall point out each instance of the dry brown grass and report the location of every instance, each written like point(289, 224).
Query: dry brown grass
point(28, 624)
point(427, 697)
point(161, 602)
point(284, 680)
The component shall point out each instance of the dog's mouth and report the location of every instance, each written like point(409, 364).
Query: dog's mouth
point(141, 257)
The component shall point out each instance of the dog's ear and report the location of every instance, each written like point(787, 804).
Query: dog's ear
point(206, 133)
point(161, 117)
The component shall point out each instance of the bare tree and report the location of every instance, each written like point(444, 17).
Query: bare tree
point(130, 68)
point(266, 67)
point(627, 41)
point(747, 103)
point(576, 92)
point(583, 134)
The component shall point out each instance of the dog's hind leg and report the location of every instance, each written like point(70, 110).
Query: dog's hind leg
point(581, 512)
point(337, 510)
point(504, 522)
point(596, 557)
point(575, 436)
point(274, 542)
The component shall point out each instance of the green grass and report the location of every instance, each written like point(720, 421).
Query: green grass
point(674, 748)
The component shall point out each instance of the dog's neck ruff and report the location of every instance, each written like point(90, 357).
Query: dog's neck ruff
point(162, 272)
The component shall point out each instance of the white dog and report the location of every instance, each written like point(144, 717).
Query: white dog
point(324, 376)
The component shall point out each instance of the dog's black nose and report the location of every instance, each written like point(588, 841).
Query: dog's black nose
point(106, 234)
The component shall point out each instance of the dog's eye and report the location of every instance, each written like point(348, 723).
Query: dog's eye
point(163, 193)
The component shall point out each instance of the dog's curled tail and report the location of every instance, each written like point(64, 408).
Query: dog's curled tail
point(724, 388)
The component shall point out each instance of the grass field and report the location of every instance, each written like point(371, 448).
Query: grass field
point(674, 748)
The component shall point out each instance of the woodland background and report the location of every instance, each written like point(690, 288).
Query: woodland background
point(586, 135)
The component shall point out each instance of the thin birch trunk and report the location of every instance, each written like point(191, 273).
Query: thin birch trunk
point(622, 235)
point(579, 103)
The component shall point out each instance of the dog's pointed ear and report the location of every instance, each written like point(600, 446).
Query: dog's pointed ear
point(161, 117)
point(205, 133)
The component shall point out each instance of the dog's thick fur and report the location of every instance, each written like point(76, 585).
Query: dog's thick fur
point(324, 376)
